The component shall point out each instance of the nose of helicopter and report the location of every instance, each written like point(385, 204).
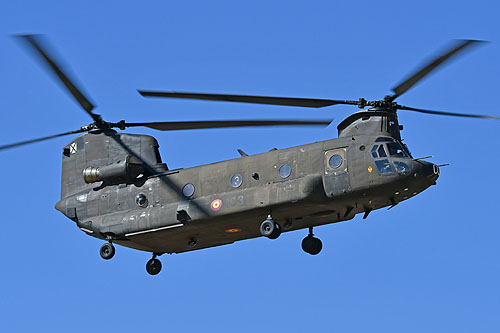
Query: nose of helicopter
point(423, 175)
point(429, 170)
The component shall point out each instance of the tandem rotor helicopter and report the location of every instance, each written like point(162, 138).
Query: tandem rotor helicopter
point(115, 187)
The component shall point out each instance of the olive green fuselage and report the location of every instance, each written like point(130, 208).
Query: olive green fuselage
point(303, 186)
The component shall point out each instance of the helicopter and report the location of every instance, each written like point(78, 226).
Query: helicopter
point(115, 186)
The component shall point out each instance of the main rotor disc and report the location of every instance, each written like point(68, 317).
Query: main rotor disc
point(387, 103)
point(38, 46)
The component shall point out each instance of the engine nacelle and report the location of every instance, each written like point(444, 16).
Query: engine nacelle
point(128, 169)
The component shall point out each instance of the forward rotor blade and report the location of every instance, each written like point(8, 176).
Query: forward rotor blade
point(22, 143)
point(37, 45)
point(432, 65)
point(190, 125)
point(442, 113)
point(290, 101)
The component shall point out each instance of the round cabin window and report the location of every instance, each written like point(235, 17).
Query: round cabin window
point(188, 190)
point(335, 161)
point(285, 171)
point(236, 180)
point(141, 200)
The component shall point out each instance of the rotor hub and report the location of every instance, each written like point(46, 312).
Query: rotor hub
point(386, 103)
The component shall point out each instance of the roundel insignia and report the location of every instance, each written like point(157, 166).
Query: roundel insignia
point(216, 204)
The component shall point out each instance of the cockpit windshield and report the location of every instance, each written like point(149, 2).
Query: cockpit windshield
point(389, 147)
point(393, 147)
point(396, 150)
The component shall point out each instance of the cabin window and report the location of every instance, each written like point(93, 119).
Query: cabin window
point(285, 171)
point(188, 190)
point(383, 167)
point(395, 150)
point(141, 200)
point(236, 180)
point(374, 151)
point(335, 161)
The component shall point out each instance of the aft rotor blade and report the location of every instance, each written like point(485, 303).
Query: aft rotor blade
point(432, 65)
point(22, 143)
point(190, 125)
point(443, 113)
point(37, 45)
point(289, 101)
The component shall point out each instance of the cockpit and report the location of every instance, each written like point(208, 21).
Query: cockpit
point(387, 150)
point(393, 147)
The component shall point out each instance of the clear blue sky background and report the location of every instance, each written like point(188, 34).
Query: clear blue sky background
point(429, 265)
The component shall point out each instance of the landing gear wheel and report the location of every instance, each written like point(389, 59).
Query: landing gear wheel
point(312, 245)
point(107, 251)
point(270, 229)
point(153, 266)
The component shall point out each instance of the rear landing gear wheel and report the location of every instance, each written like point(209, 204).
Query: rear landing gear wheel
point(311, 244)
point(153, 266)
point(270, 229)
point(107, 251)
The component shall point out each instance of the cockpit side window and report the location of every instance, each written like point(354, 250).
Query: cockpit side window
point(381, 151)
point(378, 151)
point(382, 164)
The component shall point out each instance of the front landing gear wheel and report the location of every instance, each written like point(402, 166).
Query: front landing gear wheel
point(153, 266)
point(311, 244)
point(270, 228)
point(107, 251)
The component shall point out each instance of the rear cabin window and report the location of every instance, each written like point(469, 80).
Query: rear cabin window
point(285, 171)
point(236, 180)
point(188, 190)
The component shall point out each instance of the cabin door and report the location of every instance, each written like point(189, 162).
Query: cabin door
point(336, 175)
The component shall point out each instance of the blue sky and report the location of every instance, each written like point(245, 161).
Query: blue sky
point(430, 264)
